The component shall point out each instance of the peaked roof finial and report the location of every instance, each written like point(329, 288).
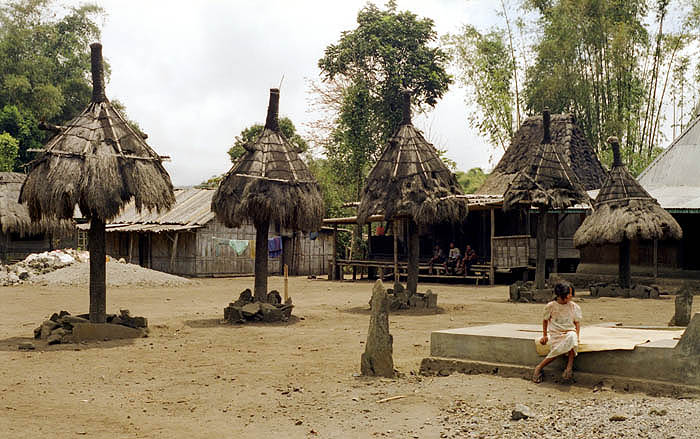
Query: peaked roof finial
point(615, 145)
point(405, 107)
point(547, 137)
point(272, 121)
point(98, 73)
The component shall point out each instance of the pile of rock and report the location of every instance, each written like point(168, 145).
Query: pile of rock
point(401, 298)
point(525, 292)
point(59, 327)
point(40, 263)
point(614, 290)
point(247, 309)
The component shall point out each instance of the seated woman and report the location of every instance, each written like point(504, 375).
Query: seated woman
point(453, 258)
point(438, 258)
point(469, 259)
point(561, 328)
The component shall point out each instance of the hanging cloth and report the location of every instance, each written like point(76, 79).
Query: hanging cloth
point(274, 247)
point(238, 245)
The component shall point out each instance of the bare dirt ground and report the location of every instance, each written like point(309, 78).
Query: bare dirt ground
point(197, 378)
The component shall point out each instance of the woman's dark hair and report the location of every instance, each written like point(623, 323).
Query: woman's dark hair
point(562, 289)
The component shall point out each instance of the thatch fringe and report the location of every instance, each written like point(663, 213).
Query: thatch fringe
point(14, 217)
point(637, 219)
point(98, 162)
point(270, 183)
point(298, 206)
point(98, 177)
point(411, 181)
point(546, 181)
point(623, 210)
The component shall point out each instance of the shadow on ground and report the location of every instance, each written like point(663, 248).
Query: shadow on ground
point(220, 323)
point(364, 310)
point(11, 344)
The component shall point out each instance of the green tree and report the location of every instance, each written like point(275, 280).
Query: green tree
point(471, 180)
point(487, 70)
point(251, 134)
point(44, 66)
point(8, 152)
point(367, 68)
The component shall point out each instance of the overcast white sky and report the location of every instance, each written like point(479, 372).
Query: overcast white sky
point(193, 74)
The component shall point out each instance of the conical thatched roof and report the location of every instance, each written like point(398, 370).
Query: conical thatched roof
point(270, 183)
point(569, 141)
point(98, 162)
point(624, 210)
point(410, 180)
point(14, 217)
point(546, 180)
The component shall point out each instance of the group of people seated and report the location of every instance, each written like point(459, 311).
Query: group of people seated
point(455, 263)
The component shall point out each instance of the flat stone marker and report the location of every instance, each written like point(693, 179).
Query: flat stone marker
point(377, 360)
point(101, 331)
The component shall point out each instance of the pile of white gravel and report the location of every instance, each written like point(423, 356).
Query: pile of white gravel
point(118, 275)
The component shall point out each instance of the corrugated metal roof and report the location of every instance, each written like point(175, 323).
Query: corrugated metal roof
point(192, 209)
point(673, 177)
point(678, 164)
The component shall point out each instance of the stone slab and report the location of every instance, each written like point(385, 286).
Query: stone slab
point(514, 344)
point(102, 331)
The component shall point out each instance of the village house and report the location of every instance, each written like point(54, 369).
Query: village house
point(188, 240)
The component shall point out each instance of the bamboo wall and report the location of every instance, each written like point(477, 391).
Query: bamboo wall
point(199, 254)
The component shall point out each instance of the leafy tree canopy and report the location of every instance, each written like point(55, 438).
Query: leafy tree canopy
point(471, 180)
point(251, 134)
point(387, 52)
point(8, 152)
point(44, 66)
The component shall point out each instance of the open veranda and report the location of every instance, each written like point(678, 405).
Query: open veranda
point(194, 377)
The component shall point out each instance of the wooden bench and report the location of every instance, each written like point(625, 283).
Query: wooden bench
point(480, 271)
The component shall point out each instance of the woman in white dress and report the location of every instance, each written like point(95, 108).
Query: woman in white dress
point(561, 327)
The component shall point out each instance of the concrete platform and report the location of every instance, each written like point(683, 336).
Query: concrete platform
point(663, 359)
point(104, 331)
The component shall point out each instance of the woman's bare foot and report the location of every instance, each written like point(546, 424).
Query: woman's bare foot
point(568, 374)
point(537, 375)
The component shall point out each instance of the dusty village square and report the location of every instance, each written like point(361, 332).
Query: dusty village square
point(194, 377)
point(359, 219)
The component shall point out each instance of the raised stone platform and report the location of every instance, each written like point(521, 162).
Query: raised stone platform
point(663, 359)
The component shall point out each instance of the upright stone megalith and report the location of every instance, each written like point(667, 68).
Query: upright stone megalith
point(684, 306)
point(377, 359)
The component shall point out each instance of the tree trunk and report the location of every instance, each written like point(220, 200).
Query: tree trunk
point(98, 286)
point(261, 256)
point(413, 250)
point(625, 264)
point(541, 248)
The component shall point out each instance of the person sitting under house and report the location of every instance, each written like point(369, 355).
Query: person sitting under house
point(453, 258)
point(469, 259)
point(438, 258)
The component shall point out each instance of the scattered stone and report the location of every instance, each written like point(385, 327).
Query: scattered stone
point(377, 359)
point(684, 306)
point(444, 372)
point(245, 309)
point(618, 418)
point(521, 411)
point(46, 329)
point(274, 298)
point(54, 339)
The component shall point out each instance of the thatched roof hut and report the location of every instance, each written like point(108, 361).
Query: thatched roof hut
point(100, 163)
point(14, 217)
point(545, 180)
point(411, 181)
point(566, 137)
point(269, 184)
point(624, 210)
